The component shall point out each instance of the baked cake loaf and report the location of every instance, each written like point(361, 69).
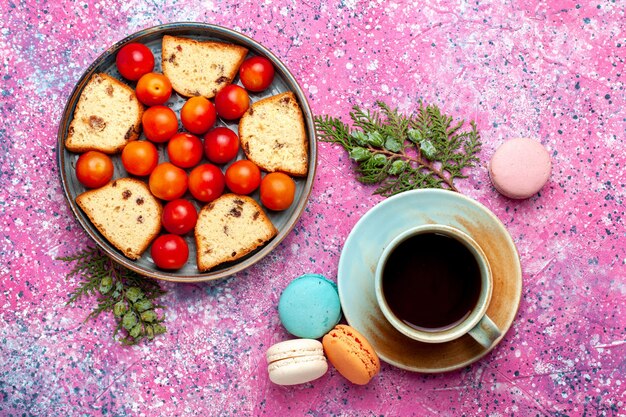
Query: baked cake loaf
point(106, 118)
point(273, 136)
point(229, 228)
point(126, 214)
point(200, 68)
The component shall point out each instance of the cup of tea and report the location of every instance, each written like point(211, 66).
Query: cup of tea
point(433, 283)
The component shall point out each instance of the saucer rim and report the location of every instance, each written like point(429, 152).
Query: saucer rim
point(494, 220)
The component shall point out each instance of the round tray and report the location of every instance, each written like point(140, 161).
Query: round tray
point(283, 81)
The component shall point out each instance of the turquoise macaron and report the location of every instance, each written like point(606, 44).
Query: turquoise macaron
point(309, 307)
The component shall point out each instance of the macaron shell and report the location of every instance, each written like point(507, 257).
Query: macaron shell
point(296, 361)
point(351, 354)
point(299, 370)
point(294, 348)
point(519, 168)
point(309, 306)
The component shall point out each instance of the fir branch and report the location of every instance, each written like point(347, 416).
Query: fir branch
point(130, 297)
point(404, 152)
point(336, 130)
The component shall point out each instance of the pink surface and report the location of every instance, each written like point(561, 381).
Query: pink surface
point(550, 70)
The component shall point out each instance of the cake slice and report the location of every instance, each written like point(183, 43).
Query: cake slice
point(106, 118)
point(229, 228)
point(273, 136)
point(200, 68)
point(126, 214)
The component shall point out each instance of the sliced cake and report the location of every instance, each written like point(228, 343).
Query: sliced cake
point(200, 68)
point(126, 214)
point(107, 116)
point(229, 228)
point(273, 135)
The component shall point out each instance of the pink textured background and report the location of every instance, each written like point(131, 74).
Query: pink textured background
point(551, 70)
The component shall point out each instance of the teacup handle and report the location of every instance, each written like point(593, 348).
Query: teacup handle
point(485, 332)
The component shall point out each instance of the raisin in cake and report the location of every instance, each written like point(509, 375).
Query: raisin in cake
point(229, 228)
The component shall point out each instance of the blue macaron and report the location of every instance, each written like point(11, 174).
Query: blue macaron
point(309, 307)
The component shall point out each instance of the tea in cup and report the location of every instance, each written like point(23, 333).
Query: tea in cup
point(433, 283)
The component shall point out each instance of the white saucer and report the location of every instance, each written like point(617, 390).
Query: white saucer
point(377, 228)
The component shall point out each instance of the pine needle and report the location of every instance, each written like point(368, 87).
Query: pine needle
point(129, 296)
point(401, 152)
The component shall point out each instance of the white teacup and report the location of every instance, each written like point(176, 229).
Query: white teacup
point(433, 283)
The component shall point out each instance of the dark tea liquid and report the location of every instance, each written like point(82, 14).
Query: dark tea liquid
point(431, 282)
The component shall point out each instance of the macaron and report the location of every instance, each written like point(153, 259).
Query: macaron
point(351, 354)
point(296, 361)
point(309, 306)
point(519, 168)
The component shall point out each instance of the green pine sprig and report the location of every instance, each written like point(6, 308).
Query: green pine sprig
point(401, 152)
point(129, 296)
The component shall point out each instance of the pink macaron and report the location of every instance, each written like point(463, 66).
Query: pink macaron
point(520, 168)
